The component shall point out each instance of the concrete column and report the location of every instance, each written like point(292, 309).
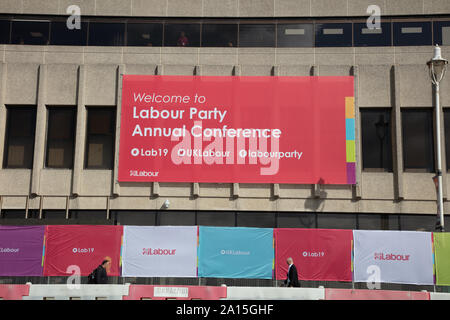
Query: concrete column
point(397, 144)
point(275, 186)
point(358, 185)
point(155, 185)
point(80, 140)
point(443, 150)
point(41, 129)
point(235, 187)
point(316, 188)
point(195, 185)
point(2, 110)
point(115, 184)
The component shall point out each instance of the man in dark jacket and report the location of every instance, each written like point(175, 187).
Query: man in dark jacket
point(101, 273)
point(292, 275)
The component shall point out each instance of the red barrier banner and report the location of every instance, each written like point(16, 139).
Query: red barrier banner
point(237, 129)
point(83, 247)
point(318, 254)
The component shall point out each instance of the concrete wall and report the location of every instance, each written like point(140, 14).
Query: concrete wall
point(226, 8)
point(390, 77)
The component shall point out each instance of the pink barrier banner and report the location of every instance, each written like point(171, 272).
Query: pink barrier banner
point(21, 250)
point(349, 294)
point(318, 254)
point(83, 247)
point(237, 129)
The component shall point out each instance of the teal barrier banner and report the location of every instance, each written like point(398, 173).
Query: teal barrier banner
point(235, 253)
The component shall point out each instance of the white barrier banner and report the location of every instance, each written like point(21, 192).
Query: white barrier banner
point(163, 251)
point(404, 257)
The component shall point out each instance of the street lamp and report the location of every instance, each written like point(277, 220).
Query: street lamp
point(438, 66)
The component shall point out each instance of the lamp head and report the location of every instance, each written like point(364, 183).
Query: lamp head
point(437, 65)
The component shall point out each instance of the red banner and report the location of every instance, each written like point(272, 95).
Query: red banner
point(318, 254)
point(237, 129)
point(82, 246)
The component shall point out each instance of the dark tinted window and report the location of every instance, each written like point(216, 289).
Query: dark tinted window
point(336, 221)
point(216, 218)
point(176, 218)
point(5, 29)
point(295, 35)
point(334, 35)
point(371, 222)
point(376, 139)
point(418, 222)
point(54, 217)
point(296, 220)
point(144, 34)
point(19, 142)
point(257, 35)
point(135, 218)
point(412, 33)
point(60, 137)
point(89, 217)
point(30, 32)
point(61, 35)
point(182, 35)
point(442, 33)
point(100, 138)
point(418, 145)
point(365, 37)
point(256, 219)
point(106, 34)
point(219, 35)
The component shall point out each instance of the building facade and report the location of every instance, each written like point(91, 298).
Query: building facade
point(60, 103)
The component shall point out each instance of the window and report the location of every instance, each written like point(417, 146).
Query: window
point(30, 32)
point(296, 220)
point(94, 217)
point(134, 218)
point(412, 33)
point(371, 222)
point(5, 29)
point(365, 37)
point(256, 219)
point(61, 35)
point(176, 218)
point(182, 35)
point(257, 35)
point(295, 35)
point(60, 137)
point(219, 35)
point(19, 143)
point(144, 34)
point(418, 222)
point(442, 33)
point(216, 219)
point(336, 221)
point(376, 139)
point(100, 138)
point(418, 145)
point(333, 35)
point(106, 34)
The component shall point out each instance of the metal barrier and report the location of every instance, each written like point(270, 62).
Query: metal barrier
point(360, 294)
point(439, 296)
point(13, 291)
point(258, 293)
point(83, 292)
point(153, 292)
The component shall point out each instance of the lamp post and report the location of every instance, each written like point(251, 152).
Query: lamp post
point(438, 66)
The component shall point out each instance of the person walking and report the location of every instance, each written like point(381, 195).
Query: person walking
point(292, 275)
point(100, 274)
